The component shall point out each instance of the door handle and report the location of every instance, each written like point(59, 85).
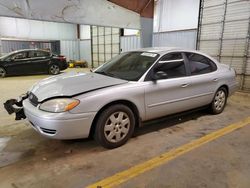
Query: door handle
point(184, 85)
point(215, 79)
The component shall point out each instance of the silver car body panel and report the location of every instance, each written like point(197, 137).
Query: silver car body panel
point(72, 83)
point(95, 91)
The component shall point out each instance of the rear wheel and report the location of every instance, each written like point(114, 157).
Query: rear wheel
point(2, 72)
point(114, 126)
point(54, 69)
point(219, 101)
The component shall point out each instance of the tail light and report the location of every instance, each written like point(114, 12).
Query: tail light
point(61, 58)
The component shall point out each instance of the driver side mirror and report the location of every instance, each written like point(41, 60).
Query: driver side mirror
point(159, 75)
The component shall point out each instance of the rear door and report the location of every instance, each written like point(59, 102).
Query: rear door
point(39, 61)
point(204, 78)
point(169, 95)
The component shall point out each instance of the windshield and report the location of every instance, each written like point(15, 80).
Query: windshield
point(128, 66)
point(6, 55)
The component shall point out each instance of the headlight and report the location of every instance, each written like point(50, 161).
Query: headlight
point(59, 105)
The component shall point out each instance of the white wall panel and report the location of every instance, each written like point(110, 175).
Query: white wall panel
point(183, 39)
point(85, 32)
point(85, 51)
point(34, 29)
point(70, 48)
point(129, 43)
point(172, 15)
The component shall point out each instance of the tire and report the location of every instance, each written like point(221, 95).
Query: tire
point(2, 72)
point(54, 69)
point(114, 126)
point(219, 101)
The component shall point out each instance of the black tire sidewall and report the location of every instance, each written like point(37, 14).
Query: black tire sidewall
point(213, 109)
point(99, 129)
point(4, 71)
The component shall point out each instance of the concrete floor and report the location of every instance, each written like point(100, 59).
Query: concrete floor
point(30, 160)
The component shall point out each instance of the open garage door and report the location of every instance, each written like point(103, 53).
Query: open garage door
point(224, 34)
point(105, 44)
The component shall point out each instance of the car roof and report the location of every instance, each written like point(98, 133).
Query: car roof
point(159, 49)
point(164, 50)
point(25, 50)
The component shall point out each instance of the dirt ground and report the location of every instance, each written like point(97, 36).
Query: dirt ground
point(30, 160)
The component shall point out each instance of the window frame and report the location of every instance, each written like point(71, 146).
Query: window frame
point(211, 62)
point(148, 77)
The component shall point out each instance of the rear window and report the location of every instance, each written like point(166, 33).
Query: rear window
point(200, 64)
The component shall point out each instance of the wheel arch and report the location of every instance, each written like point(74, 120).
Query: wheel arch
point(226, 87)
point(127, 103)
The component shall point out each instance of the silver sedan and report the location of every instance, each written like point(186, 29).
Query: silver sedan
point(131, 88)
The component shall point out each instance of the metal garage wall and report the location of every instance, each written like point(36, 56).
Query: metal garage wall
point(184, 39)
point(85, 51)
point(70, 48)
point(130, 42)
point(34, 29)
point(175, 23)
point(105, 44)
point(224, 28)
point(12, 45)
point(172, 15)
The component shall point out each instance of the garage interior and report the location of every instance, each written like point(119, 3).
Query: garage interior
point(93, 32)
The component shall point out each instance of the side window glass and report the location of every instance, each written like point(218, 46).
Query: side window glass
point(35, 54)
point(42, 54)
point(172, 56)
point(21, 55)
point(31, 54)
point(173, 69)
point(199, 64)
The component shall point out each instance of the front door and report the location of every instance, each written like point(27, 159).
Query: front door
point(18, 63)
point(171, 94)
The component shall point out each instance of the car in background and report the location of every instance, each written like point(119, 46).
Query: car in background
point(131, 88)
point(31, 61)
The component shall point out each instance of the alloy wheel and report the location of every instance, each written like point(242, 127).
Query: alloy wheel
point(117, 127)
point(219, 100)
point(54, 69)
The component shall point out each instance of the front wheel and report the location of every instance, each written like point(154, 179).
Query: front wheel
point(219, 101)
point(114, 126)
point(2, 72)
point(54, 69)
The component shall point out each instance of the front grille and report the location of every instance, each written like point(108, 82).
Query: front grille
point(33, 99)
point(48, 131)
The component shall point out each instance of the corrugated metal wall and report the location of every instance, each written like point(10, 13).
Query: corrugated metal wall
point(171, 15)
point(224, 29)
point(183, 39)
point(130, 42)
point(71, 49)
point(85, 51)
point(12, 45)
point(175, 23)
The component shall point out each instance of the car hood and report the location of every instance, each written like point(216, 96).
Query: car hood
point(71, 84)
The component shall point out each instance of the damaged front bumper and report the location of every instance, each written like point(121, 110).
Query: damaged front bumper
point(16, 106)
